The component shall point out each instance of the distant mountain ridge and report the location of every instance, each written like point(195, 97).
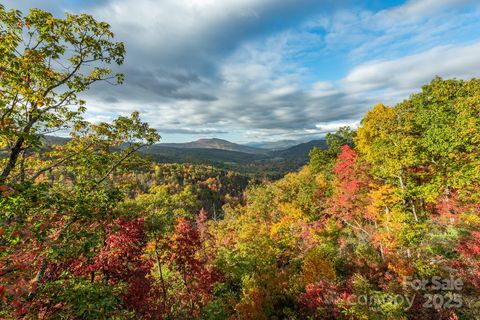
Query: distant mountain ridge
point(274, 145)
point(274, 162)
point(300, 150)
point(215, 143)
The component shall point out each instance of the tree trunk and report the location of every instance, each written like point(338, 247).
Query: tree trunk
point(162, 282)
point(37, 280)
point(414, 210)
point(17, 148)
point(12, 159)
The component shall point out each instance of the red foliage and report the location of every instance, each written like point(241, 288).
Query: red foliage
point(19, 268)
point(123, 246)
point(468, 264)
point(197, 276)
point(345, 162)
point(447, 207)
point(121, 260)
point(6, 191)
point(348, 200)
point(202, 227)
point(325, 300)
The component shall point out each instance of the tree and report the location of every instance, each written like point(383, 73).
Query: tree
point(387, 140)
point(60, 198)
point(196, 278)
point(323, 159)
point(350, 185)
point(447, 112)
point(49, 223)
point(45, 62)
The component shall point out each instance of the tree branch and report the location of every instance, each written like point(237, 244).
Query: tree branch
point(118, 163)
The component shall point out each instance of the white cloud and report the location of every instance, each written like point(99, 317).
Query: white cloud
point(421, 8)
point(249, 66)
point(410, 72)
point(415, 26)
point(335, 125)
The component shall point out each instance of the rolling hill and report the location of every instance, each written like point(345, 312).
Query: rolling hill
point(274, 145)
point(249, 160)
point(299, 151)
point(227, 155)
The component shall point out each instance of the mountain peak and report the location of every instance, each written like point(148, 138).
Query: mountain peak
point(210, 140)
point(215, 143)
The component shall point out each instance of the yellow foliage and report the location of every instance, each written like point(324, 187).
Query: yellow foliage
point(316, 266)
point(286, 230)
point(470, 219)
point(321, 182)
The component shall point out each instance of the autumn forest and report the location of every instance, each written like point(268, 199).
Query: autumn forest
point(381, 223)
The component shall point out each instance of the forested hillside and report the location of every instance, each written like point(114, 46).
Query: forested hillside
point(383, 223)
point(253, 162)
point(263, 164)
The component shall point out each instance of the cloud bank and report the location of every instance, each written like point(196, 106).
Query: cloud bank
point(274, 69)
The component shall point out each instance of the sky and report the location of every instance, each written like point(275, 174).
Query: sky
point(268, 70)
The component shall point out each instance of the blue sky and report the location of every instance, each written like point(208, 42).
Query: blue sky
point(265, 70)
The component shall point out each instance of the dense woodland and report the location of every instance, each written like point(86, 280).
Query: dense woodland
point(264, 164)
point(92, 230)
